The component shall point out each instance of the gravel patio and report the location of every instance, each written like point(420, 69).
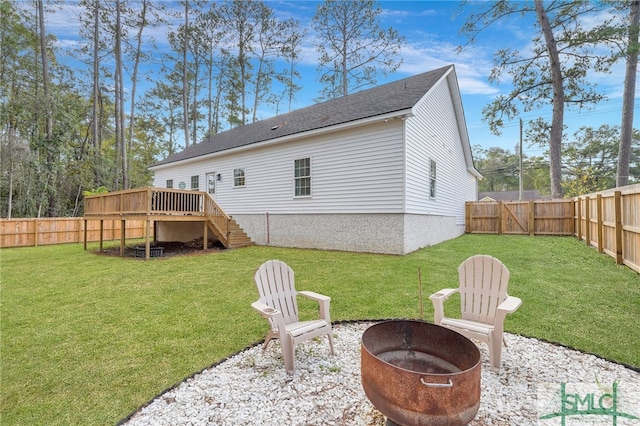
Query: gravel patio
point(251, 387)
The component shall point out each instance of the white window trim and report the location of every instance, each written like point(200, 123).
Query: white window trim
point(191, 179)
point(433, 178)
point(310, 177)
point(244, 177)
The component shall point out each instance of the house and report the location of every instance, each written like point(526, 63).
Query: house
point(532, 194)
point(384, 170)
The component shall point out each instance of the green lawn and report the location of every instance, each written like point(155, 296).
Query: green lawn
point(86, 339)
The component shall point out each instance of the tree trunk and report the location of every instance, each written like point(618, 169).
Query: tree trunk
point(210, 91)
point(45, 73)
point(555, 136)
point(119, 98)
point(185, 89)
point(345, 77)
point(95, 112)
point(96, 74)
point(628, 102)
point(134, 77)
point(194, 110)
point(49, 148)
point(242, 82)
point(10, 139)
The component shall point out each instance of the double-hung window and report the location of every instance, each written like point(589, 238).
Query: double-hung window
point(195, 183)
point(169, 183)
point(302, 177)
point(238, 177)
point(432, 179)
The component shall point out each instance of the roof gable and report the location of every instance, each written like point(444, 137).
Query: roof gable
point(388, 98)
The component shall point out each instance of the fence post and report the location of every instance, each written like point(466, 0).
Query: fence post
point(467, 217)
point(587, 221)
point(500, 210)
point(618, 213)
point(532, 218)
point(573, 214)
point(578, 200)
point(599, 222)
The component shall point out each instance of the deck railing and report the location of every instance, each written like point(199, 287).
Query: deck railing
point(145, 201)
point(216, 216)
point(158, 202)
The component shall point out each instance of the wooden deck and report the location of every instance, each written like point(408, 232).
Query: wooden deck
point(161, 204)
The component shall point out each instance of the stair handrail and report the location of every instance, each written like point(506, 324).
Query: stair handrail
point(216, 216)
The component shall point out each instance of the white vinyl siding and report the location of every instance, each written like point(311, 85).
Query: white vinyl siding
point(359, 170)
point(433, 135)
point(370, 180)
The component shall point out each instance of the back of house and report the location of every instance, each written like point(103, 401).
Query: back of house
point(385, 170)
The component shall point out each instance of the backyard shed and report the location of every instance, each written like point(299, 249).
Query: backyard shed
point(384, 170)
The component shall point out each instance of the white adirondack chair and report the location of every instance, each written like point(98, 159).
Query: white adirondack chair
point(278, 304)
point(484, 303)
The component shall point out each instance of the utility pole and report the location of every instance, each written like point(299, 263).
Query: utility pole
point(520, 149)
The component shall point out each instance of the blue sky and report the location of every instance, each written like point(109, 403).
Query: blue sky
point(431, 29)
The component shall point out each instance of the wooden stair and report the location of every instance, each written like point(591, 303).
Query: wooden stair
point(164, 204)
point(237, 237)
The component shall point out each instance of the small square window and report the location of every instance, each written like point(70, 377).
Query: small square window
point(238, 177)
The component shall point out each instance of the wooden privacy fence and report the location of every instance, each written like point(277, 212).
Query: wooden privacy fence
point(608, 220)
point(539, 217)
point(46, 231)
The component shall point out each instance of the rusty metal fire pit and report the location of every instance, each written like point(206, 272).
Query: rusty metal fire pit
point(418, 373)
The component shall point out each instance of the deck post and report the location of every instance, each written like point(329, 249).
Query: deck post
point(147, 246)
point(205, 238)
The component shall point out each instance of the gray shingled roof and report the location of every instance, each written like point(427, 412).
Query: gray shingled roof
point(388, 98)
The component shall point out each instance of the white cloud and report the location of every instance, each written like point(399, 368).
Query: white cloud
point(472, 70)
